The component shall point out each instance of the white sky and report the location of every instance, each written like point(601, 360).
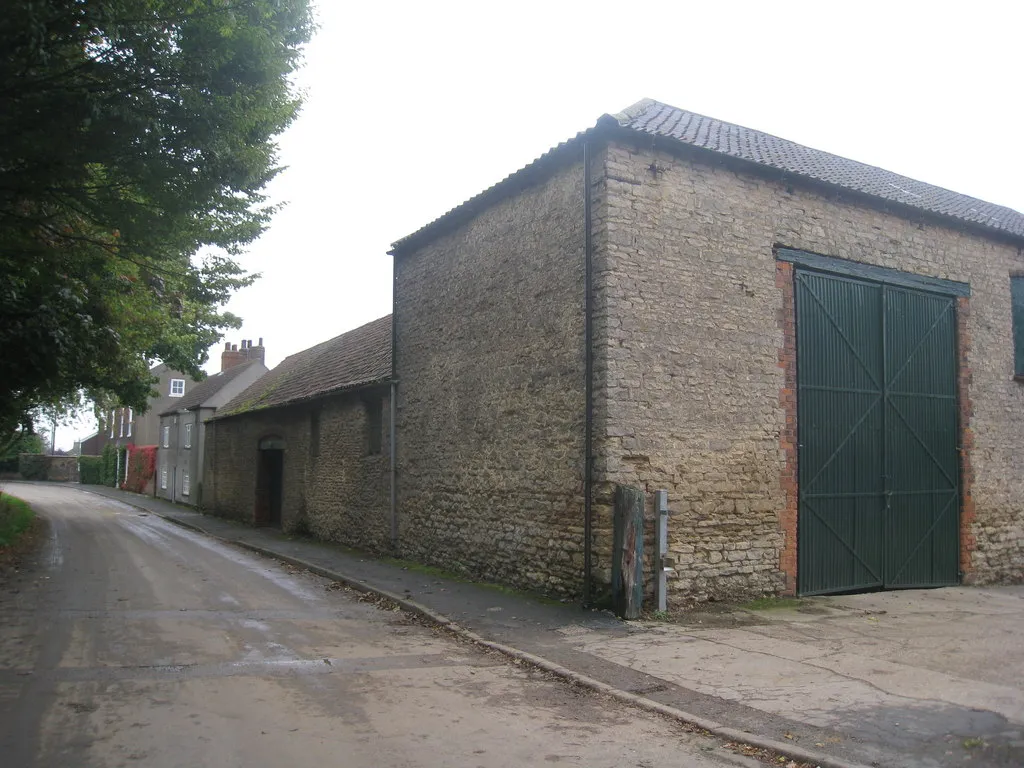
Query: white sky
point(413, 107)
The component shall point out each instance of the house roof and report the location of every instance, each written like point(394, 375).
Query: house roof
point(745, 144)
point(208, 387)
point(649, 116)
point(352, 360)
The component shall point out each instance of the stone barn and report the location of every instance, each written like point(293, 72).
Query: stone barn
point(817, 359)
point(306, 447)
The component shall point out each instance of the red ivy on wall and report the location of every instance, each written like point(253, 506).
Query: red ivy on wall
point(141, 468)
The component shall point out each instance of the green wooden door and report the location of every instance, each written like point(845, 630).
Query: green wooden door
point(877, 426)
point(922, 519)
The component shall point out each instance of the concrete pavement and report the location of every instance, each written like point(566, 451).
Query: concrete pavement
point(911, 678)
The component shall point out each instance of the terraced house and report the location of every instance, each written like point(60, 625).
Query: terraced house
point(819, 360)
point(182, 438)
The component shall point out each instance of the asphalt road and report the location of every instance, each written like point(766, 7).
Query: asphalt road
point(132, 642)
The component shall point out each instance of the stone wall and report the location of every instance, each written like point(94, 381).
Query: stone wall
point(691, 357)
point(489, 359)
point(38, 466)
point(333, 486)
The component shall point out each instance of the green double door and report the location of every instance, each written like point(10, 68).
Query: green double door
point(877, 432)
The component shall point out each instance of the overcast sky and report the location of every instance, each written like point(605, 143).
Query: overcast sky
point(414, 107)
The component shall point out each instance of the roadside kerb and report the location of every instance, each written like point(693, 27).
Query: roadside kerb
point(791, 751)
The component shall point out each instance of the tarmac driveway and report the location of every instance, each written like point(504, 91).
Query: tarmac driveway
point(938, 674)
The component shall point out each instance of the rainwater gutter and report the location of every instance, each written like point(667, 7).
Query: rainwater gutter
point(588, 367)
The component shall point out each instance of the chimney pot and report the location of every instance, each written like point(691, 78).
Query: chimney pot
point(232, 355)
point(261, 341)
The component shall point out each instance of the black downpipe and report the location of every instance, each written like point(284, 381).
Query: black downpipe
point(393, 404)
point(588, 365)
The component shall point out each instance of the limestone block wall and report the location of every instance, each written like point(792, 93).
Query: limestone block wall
point(232, 461)
point(334, 486)
point(691, 358)
point(348, 496)
point(489, 359)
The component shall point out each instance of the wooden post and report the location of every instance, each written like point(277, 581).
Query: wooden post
point(628, 554)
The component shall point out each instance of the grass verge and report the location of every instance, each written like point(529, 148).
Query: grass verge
point(15, 518)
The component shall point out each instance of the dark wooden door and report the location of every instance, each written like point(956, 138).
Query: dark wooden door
point(269, 487)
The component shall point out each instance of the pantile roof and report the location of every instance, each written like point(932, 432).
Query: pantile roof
point(653, 117)
point(745, 144)
point(352, 360)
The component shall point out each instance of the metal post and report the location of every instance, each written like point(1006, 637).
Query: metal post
point(661, 548)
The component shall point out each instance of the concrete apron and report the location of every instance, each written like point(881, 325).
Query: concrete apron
point(904, 669)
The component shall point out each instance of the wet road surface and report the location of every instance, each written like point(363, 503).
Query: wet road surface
point(132, 642)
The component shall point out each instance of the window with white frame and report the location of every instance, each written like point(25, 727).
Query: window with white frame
point(111, 423)
point(131, 418)
point(163, 478)
point(120, 412)
point(188, 435)
point(185, 485)
point(177, 387)
point(166, 437)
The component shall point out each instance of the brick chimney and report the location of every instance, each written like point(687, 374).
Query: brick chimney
point(255, 353)
point(231, 356)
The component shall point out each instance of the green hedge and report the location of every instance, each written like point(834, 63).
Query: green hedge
point(109, 458)
point(90, 470)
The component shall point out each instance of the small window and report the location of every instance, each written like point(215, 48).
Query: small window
point(1017, 299)
point(185, 485)
point(131, 418)
point(166, 442)
point(111, 423)
point(188, 435)
point(121, 414)
point(177, 387)
point(374, 425)
point(163, 478)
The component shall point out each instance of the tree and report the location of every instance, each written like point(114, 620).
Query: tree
point(19, 442)
point(134, 135)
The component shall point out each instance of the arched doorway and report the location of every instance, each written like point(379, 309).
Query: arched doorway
point(270, 481)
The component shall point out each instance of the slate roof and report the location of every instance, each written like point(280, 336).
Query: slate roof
point(207, 388)
point(352, 360)
point(689, 128)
